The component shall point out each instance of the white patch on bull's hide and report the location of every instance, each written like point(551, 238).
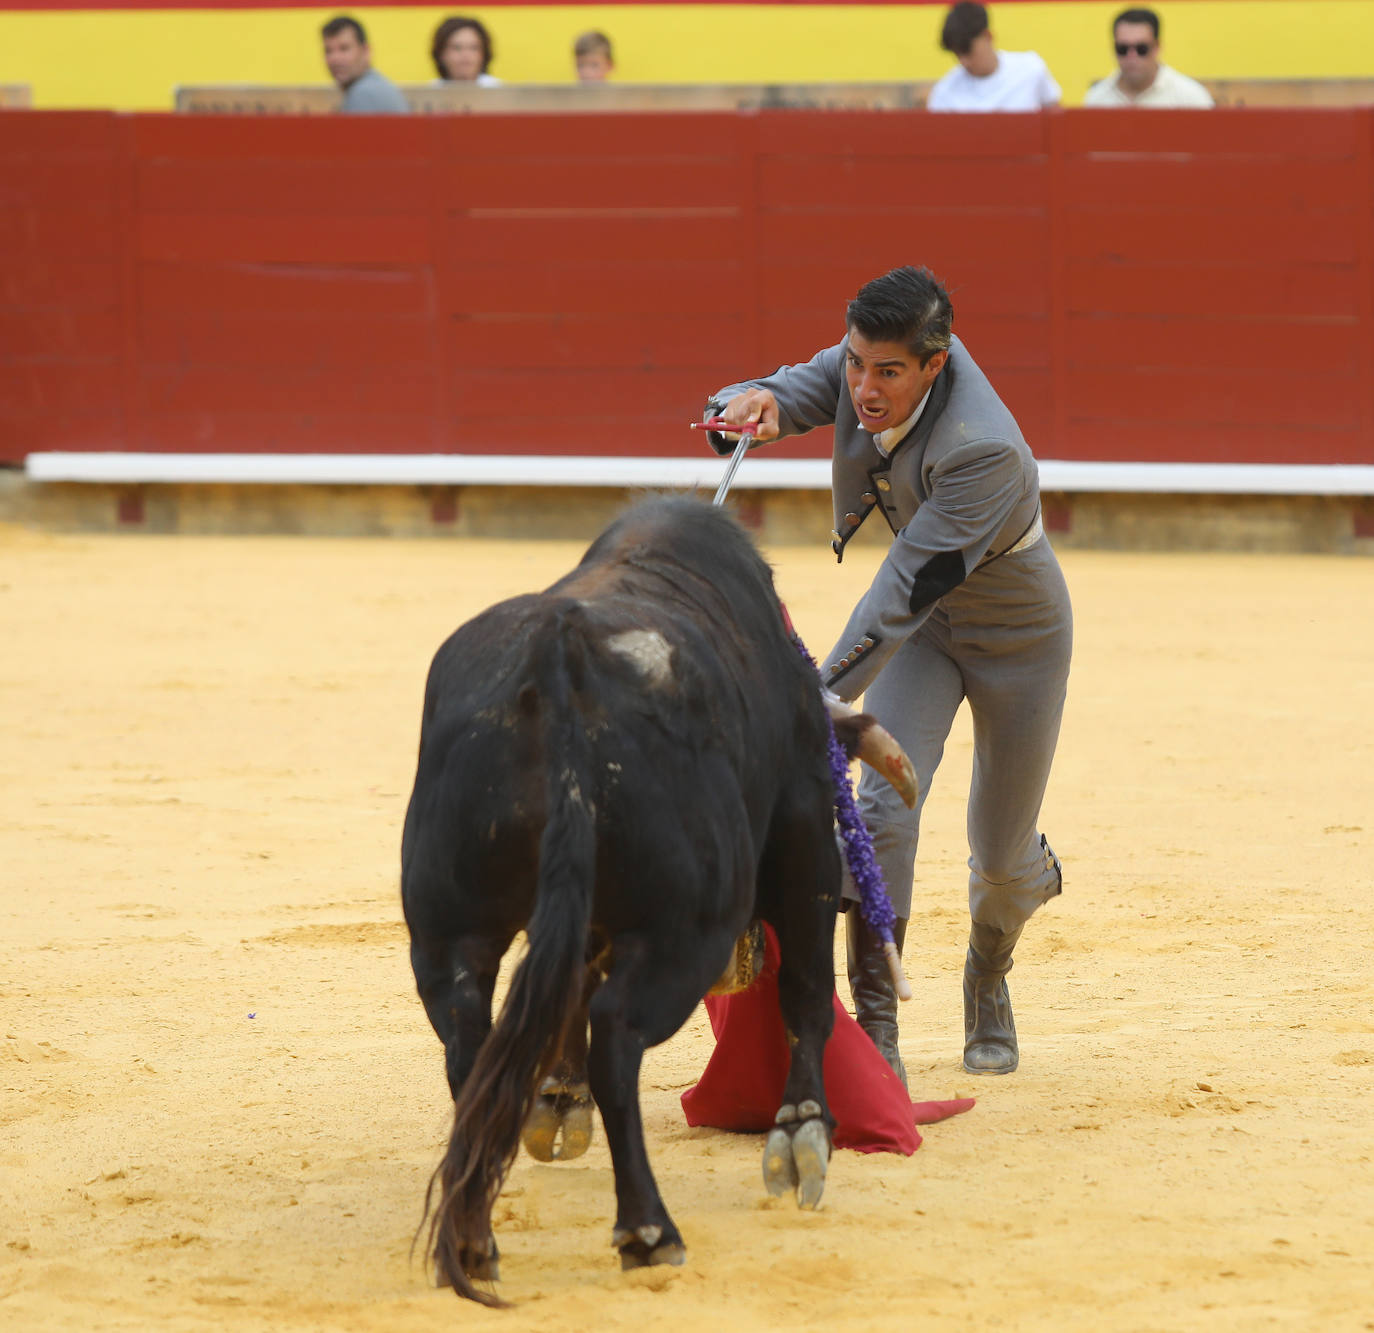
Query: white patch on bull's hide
point(647, 651)
point(574, 790)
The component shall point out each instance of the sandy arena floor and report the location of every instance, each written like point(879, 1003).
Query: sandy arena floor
point(221, 1101)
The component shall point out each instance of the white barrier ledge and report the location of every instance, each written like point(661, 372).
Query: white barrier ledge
point(756, 473)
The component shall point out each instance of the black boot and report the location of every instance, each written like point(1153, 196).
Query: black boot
point(989, 1029)
point(870, 981)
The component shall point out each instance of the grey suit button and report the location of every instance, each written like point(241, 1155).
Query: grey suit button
point(884, 484)
point(852, 520)
point(869, 498)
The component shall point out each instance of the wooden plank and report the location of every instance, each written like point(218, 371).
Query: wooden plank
point(1320, 92)
point(266, 238)
point(301, 340)
point(646, 287)
point(1172, 340)
point(176, 387)
point(679, 139)
point(1126, 233)
point(34, 235)
point(596, 342)
point(369, 187)
point(52, 183)
point(864, 179)
point(1198, 442)
point(564, 100)
point(317, 430)
point(1291, 133)
point(78, 385)
point(957, 236)
point(282, 138)
point(948, 140)
point(32, 282)
point(539, 180)
point(1299, 291)
point(493, 396)
point(24, 431)
point(707, 235)
point(1196, 183)
point(60, 333)
point(993, 287)
point(59, 136)
point(355, 294)
point(1223, 398)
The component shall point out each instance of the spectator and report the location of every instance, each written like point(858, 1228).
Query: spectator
point(461, 50)
point(1144, 79)
point(366, 91)
point(592, 54)
point(987, 79)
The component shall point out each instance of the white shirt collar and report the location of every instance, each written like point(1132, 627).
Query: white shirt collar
point(888, 440)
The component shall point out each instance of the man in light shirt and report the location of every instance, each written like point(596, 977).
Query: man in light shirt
point(1143, 79)
point(349, 60)
point(985, 78)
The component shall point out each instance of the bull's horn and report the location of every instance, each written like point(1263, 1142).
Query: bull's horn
point(863, 737)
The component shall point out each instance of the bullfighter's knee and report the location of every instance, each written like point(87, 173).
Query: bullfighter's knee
point(1006, 893)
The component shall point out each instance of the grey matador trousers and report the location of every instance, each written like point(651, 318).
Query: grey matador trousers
point(1002, 640)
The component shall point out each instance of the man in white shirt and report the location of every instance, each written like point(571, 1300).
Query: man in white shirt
point(1143, 79)
point(985, 78)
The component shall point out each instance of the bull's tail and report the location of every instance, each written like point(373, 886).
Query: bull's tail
point(495, 1100)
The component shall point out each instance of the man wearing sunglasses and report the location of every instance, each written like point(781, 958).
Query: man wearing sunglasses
point(1143, 79)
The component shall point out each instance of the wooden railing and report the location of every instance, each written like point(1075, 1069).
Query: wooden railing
point(563, 98)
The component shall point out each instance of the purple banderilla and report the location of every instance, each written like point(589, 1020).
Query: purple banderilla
point(874, 903)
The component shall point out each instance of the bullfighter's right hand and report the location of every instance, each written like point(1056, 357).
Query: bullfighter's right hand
point(753, 405)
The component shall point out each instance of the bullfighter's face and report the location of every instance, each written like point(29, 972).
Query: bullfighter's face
point(886, 380)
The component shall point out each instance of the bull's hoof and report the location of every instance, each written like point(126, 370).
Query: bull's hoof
point(811, 1152)
point(481, 1265)
point(645, 1247)
point(797, 1153)
point(559, 1126)
point(779, 1166)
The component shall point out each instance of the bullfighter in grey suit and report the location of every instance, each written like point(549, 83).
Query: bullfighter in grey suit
point(969, 604)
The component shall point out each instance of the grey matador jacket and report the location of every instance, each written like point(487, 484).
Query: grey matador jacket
point(961, 489)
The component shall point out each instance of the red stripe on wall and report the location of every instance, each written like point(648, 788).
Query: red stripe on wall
point(556, 285)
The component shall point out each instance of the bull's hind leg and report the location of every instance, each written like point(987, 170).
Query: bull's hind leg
point(559, 1125)
point(799, 883)
point(456, 979)
point(648, 995)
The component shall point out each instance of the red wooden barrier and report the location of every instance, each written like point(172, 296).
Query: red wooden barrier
point(1170, 286)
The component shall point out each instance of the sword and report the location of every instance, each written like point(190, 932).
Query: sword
point(747, 432)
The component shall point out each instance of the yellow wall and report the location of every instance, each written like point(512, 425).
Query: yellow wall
point(132, 59)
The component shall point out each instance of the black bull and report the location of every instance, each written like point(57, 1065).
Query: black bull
point(630, 767)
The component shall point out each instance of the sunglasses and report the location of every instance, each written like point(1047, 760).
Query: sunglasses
point(1140, 48)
